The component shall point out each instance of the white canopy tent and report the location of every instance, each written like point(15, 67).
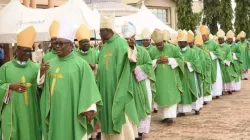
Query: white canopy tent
point(16, 16)
point(144, 18)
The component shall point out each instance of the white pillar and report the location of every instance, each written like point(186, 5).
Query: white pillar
point(33, 3)
point(26, 3)
point(173, 18)
point(50, 3)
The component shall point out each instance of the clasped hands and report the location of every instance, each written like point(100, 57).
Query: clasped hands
point(162, 60)
point(90, 115)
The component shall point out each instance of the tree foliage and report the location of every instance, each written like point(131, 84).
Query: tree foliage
point(186, 18)
point(211, 14)
point(226, 15)
point(242, 13)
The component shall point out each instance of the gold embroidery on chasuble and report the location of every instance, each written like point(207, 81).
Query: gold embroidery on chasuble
point(106, 57)
point(25, 94)
point(163, 55)
point(55, 76)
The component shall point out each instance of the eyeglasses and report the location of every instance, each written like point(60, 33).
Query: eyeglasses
point(60, 44)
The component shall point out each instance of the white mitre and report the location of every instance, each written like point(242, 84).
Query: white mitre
point(67, 30)
point(128, 30)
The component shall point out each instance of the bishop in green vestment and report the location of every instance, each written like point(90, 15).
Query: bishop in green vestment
point(146, 43)
point(119, 119)
point(89, 54)
point(143, 81)
point(213, 50)
point(237, 61)
point(228, 72)
point(245, 46)
point(53, 31)
point(205, 78)
point(20, 113)
point(190, 99)
point(199, 81)
point(169, 68)
point(146, 40)
point(70, 96)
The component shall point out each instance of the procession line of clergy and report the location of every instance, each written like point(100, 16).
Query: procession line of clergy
point(113, 91)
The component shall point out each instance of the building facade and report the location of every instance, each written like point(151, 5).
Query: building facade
point(42, 4)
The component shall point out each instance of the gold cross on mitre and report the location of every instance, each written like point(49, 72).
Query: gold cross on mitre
point(25, 94)
point(163, 55)
point(106, 56)
point(55, 76)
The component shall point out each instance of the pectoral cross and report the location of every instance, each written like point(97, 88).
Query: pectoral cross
point(106, 56)
point(55, 76)
point(25, 94)
point(162, 55)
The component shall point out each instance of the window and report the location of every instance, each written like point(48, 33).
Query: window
point(162, 14)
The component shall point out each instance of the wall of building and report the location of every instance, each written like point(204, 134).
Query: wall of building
point(39, 3)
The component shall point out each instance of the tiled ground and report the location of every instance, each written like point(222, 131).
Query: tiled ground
point(227, 118)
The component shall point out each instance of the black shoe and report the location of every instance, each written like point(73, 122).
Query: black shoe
point(234, 91)
point(217, 97)
point(155, 111)
point(138, 138)
point(98, 136)
point(181, 114)
point(230, 92)
point(169, 121)
point(140, 134)
point(245, 78)
point(164, 120)
point(197, 112)
point(205, 103)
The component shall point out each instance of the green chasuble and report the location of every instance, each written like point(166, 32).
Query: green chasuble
point(90, 56)
point(207, 68)
point(20, 118)
point(114, 79)
point(245, 57)
point(237, 62)
point(75, 48)
point(188, 83)
point(212, 46)
point(150, 48)
point(201, 75)
point(50, 55)
point(168, 80)
point(140, 90)
point(47, 51)
point(228, 72)
point(69, 90)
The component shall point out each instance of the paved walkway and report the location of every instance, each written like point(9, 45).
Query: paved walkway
point(227, 118)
